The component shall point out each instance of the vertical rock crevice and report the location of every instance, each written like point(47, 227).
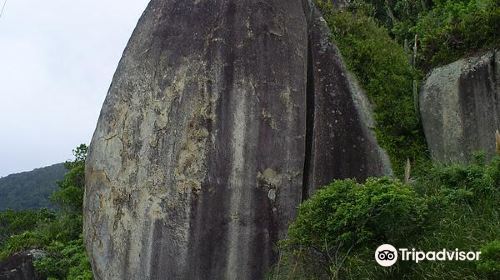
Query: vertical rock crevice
point(310, 103)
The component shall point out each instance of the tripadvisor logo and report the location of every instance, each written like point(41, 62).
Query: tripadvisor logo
point(387, 255)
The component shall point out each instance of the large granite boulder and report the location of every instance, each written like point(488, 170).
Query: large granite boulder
point(221, 118)
point(460, 108)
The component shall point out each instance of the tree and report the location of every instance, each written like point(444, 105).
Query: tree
point(71, 189)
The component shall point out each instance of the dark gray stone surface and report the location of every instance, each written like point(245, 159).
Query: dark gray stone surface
point(460, 108)
point(18, 267)
point(341, 4)
point(343, 144)
point(216, 126)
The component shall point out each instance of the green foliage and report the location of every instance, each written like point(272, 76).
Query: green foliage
point(447, 29)
point(384, 71)
point(453, 29)
point(63, 229)
point(23, 241)
point(397, 16)
point(65, 260)
point(490, 259)
point(338, 228)
point(465, 201)
point(347, 217)
point(346, 214)
point(30, 190)
point(58, 234)
point(13, 222)
point(474, 181)
point(71, 189)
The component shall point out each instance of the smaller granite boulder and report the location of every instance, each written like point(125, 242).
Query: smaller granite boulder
point(20, 266)
point(460, 108)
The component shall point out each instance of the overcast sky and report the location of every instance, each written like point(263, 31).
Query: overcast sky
point(57, 59)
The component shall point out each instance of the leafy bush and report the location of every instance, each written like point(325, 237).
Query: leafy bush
point(346, 217)
point(490, 259)
point(338, 228)
point(71, 189)
point(23, 241)
point(465, 201)
point(65, 260)
point(447, 29)
point(453, 29)
point(480, 179)
point(15, 222)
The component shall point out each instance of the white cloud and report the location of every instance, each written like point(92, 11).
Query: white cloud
point(57, 59)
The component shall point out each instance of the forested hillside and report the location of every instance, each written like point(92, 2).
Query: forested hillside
point(30, 190)
point(56, 232)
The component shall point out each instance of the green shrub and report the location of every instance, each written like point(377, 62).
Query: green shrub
point(69, 196)
point(453, 29)
point(23, 241)
point(464, 201)
point(479, 179)
point(15, 222)
point(345, 218)
point(490, 259)
point(338, 229)
point(65, 228)
point(65, 261)
point(447, 29)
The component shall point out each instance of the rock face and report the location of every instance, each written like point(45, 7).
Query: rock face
point(221, 118)
point(18, 267)
point(343, 145)
point(341, 4)
point(460, 108)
